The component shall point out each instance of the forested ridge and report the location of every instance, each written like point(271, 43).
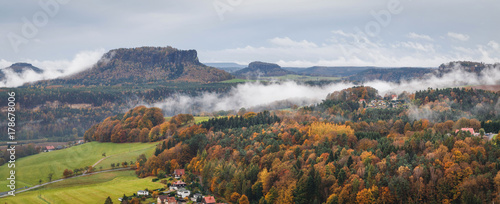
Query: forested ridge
point(318, 154)
point(120, 80)
point(54, 111)
point(391, 74)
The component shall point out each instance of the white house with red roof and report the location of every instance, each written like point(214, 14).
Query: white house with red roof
point(208, 200)
point(179, 173)
point(471, 130)
point(50, 148)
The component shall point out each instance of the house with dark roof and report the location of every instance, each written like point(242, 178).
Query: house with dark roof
point(179, 184)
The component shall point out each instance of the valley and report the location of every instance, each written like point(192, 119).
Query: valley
point(249, 102)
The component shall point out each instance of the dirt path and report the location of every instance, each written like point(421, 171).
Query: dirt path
point(95, 164)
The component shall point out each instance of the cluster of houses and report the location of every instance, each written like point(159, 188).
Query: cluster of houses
point(476, 134)
point(376, 103)
point(51, 148)
point(181, 192)
point(164, 199)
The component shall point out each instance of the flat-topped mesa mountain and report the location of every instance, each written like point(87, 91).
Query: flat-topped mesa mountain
point(261, 69)
point(147, 64)
point(19, 68)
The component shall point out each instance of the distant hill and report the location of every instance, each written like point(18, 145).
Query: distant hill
point(147, 64)
point(229, 69)
point(392, 75)
point(19, 69)
point(261, 69)
point(476, 67)
point(328, 71)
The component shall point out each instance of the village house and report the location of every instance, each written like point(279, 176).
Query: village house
point(182, 192)
point(171, 200)
point(471, 130)
point(163, 199)
point(392, 97)
point(49, 148)
point(179, 184)
point(178, 173)
point(144, 193)
point(208, 200)
point(197, 196)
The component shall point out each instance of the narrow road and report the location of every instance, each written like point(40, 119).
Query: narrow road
point(4, 194)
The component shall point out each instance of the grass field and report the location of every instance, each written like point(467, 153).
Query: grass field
point(200, 119)
point(197, 119)
point(237, 81)
point(127, 156)
point(30, 170)
point(88, 189)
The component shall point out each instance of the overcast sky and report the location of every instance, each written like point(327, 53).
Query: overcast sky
point(298, 33)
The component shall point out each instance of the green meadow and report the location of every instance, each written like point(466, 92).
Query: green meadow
point(29, 170)
point(197, 119)
point(87, 189)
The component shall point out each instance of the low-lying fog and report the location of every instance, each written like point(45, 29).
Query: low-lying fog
point(257, 96)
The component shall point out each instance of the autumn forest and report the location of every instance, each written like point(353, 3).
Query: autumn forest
point(337, 151)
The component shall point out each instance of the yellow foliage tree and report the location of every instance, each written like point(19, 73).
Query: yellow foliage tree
point(234, 197)
point(365, 196)
point(243, 200)
point(320, 129)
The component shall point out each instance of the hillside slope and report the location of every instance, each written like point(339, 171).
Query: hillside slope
point(30, 170)
point(473, 67)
